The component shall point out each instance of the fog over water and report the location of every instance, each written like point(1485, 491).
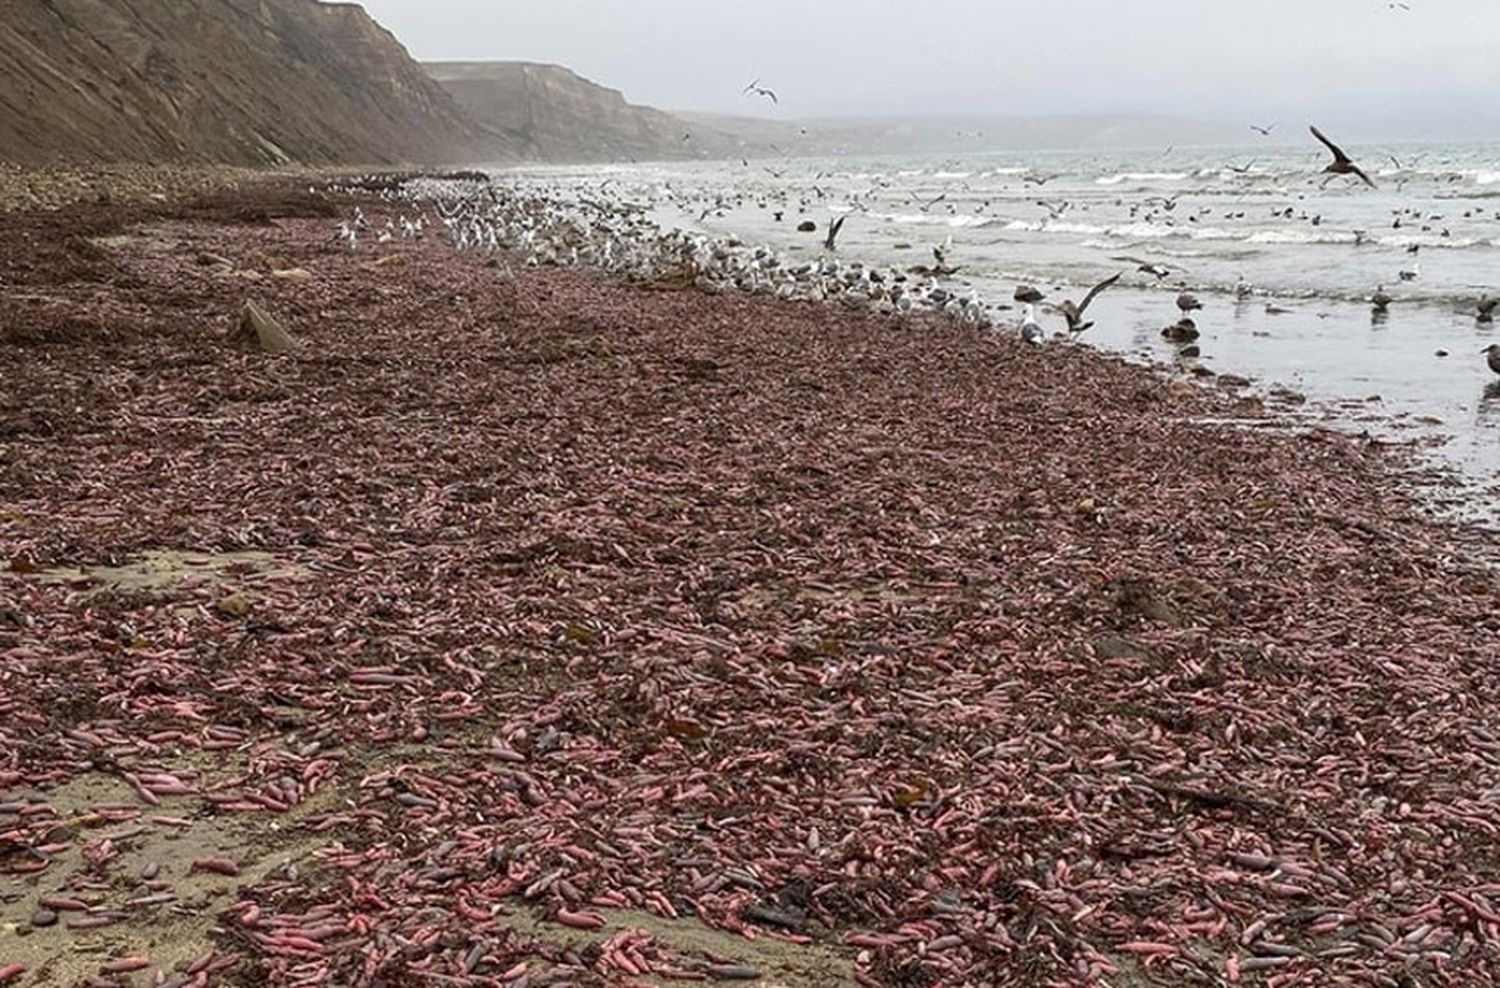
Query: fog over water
point(1372, 69)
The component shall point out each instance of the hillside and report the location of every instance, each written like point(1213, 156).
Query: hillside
point(549, 113)
point(230, 81)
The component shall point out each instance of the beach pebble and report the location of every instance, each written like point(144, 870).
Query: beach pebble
point(44, 917)
point(807, 226)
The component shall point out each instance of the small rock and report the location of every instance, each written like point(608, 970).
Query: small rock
point(44, 917)
point(256, 328)
point(234, 605)
point(807, 226)
point(1442, 353)
point(1288, 396)
point(209, 260)
point(292, 274)
point(1233, 381)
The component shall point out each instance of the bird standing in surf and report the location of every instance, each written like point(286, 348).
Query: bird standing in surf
point(1183, 330)
point(1486, 308)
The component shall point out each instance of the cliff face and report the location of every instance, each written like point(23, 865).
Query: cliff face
point(235, 81)
point(548, 113)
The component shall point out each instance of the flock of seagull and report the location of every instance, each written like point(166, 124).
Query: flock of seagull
point(621, 238)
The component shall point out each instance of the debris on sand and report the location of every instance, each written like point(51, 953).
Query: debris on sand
point(256, 328)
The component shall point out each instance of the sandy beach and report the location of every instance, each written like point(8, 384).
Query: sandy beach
point(538, 629)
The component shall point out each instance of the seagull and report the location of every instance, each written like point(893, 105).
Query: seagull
point(1341, 164)
point(1263, 131)
point(1027, 294)
point(1183, 330)
point(1493, 358)
point(1486, 308)
point(757, 89)
point(1074, 313)
point(1242, 288)
point(833, 232)
point(1159, 271)
point(1031, 330)
point(1187, 303)
point(1380, 300)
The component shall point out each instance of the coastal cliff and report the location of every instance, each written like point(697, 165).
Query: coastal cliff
point(229, 81)
point(549, 113)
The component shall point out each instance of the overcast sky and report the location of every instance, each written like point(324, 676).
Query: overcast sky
point(1359, 65)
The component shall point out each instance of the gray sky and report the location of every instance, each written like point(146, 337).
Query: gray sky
point(1357, 65)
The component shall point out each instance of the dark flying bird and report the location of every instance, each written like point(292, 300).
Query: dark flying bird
point(757, 89)
point(1074, 313)
point(1263, 131)
point(1341, 164)
point(833, 232)
point(1158, 271)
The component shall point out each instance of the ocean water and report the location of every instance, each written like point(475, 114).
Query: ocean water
point(1313, 248)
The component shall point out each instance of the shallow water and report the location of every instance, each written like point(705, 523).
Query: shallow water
point(1060, 220)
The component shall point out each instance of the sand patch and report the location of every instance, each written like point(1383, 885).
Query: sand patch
point(170, 922)
point(780, 963)
point(165, 570)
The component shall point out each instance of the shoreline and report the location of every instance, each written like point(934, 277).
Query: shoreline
point(961, 659)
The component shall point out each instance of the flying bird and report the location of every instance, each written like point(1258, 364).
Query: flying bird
point(755, 88)
point(1158, 271)
point(1074, 313)
point(1263, 131)
point(833, 232)
point(1341, 164)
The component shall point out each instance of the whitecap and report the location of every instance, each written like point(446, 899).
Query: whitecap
point(1141, 177)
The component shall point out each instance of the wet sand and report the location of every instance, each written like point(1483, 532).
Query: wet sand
point(917, 655)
